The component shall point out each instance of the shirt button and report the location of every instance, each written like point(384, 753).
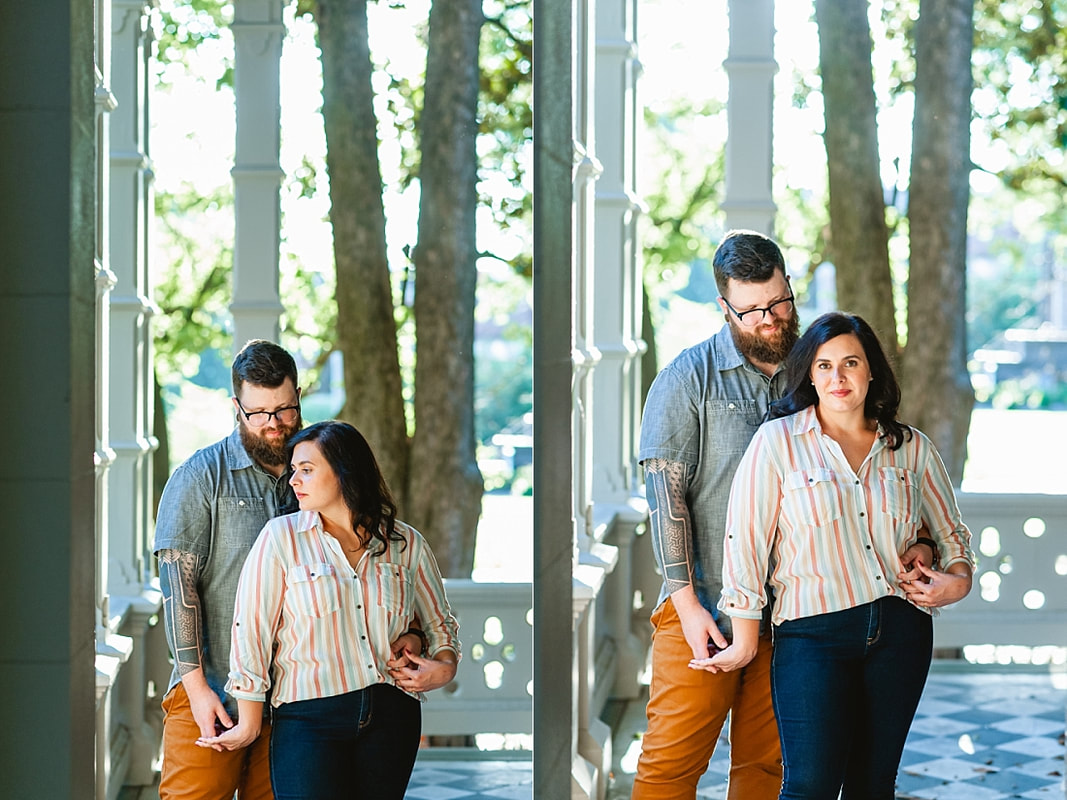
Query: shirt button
point(862, 514)
point(364, 638)
point(878, 577)
point(240, 502)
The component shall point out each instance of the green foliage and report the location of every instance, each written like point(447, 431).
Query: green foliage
point(184, 25)
point(683, 221)
point(1020, 65)
point(503, 373)
point(505, 122)
point(193, 289)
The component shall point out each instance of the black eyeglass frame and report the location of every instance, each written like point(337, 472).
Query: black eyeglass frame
point(274, 413)
point(763, 311)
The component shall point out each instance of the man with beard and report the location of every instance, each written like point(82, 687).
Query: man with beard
point(700, 414)
point(212, 509)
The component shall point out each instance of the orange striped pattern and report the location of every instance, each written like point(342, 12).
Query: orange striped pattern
point(823, 537)
point(307, 625)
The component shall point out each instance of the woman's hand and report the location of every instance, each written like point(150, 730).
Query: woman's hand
point(928, 588)
point(738, 653)
point(240, 735)
point(413, 673)
point(734, 657)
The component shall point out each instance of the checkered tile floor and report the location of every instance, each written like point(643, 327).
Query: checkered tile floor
point(435, 779)
point(977, 736)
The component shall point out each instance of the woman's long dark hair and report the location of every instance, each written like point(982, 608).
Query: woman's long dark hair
point(883, 393)
point(364, 489)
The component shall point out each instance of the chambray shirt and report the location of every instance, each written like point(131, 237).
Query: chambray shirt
point(702, 410)
point(830, 538)
point(214, 505)
point(308, 625)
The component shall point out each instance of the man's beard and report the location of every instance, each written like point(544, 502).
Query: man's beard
point(268, 453)
point(767, 350)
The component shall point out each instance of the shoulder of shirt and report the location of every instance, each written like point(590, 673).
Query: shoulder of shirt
point(228, 452)
point(409, 549)
point(717, 351)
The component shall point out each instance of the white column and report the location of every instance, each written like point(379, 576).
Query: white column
point(587, 170)
point(130, 307)
point(749, 110)
point(134, 601)
point(616, 321)
point(617, 281)
point(258, 30)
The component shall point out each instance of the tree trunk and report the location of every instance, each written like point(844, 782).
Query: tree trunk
point(859, 237)
point(366, 330)
point(938, 397)
point(445, 484)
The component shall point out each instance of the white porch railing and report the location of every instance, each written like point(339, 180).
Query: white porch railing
point(493, 688)
point(1020, 588)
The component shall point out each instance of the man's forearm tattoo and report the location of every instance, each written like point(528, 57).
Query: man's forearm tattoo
point(181, 607)
point(669, 521)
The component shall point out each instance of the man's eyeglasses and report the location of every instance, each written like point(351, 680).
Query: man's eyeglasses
point(754, 316)
point(257, 419)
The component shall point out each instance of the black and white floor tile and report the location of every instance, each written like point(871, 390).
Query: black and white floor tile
point(435, 779)
point(976, 736)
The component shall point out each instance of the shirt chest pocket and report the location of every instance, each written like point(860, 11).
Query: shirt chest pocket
point(897, 494)
point(731, 424)
point(394, 592)
point(240, 519)
point(811, 497)
point(313, 590)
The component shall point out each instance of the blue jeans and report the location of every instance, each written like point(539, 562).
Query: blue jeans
point(357, 745)
point(845, 687)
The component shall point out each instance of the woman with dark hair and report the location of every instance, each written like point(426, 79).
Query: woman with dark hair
point(825, 510)
point(321, 597)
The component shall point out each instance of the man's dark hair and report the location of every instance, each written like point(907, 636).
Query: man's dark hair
point(883, 394)
point(262, 363)
point(746, 256)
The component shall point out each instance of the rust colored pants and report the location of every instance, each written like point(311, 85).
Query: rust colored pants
point(197, 773)
point(686, 712)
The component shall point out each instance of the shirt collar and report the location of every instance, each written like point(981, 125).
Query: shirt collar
point(806, 421)
point(724, 350)
point(236, 455)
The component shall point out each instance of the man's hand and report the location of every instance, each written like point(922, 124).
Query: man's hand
point(246, 731)
point(205, 705)
point(408, 642)
point(419, 674)
point(740, 652)
point(934, 589)
point(698, 625)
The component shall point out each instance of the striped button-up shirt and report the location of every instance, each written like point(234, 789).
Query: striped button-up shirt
point(826, 538)
point(307, 624)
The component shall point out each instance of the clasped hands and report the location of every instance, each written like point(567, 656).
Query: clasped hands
point(412, 673)
point(927, 587)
